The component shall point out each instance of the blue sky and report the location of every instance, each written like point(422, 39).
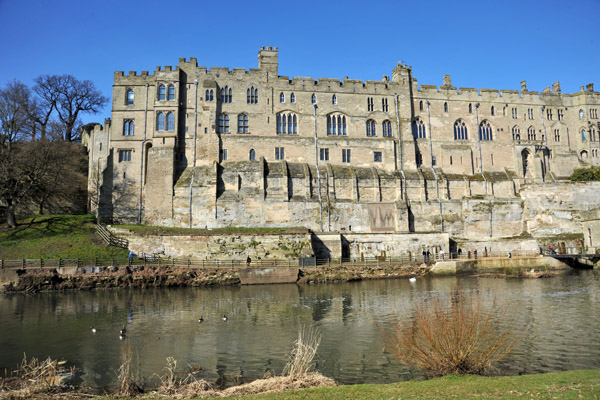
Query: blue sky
point(479, 43)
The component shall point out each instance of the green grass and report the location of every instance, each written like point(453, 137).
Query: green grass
point(561, 385)
point(144, 230)
point(582, 384)
point(55, 236)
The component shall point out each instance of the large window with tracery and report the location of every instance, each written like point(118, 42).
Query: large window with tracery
point(460, 130)
point(485, 131)
point(418, 129)
point(287, 123)
point(336, 125)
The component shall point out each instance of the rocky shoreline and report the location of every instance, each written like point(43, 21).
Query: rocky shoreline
point(32, 281)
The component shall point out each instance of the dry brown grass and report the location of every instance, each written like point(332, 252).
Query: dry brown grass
point(462, 337)
point(300, 359)
point(296, 375)
point(35, 378)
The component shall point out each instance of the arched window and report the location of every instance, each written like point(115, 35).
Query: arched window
point(593, 134)
point(371, 131)
point(313, 99)
point(387, 128)
point(421, 105)
point(128, 127)
point(242, 123)
point(470, 108)
point(162, 92)
point(418, 128)
point(160, 122)
point(584, 154)
point(445, 107)
point(336, 125)
point(226, 94)
point(171, 92)
point(130, 97)
point(492, 110)
point(292, 98)
point(223, 123)
point(485, 131)
point(252, 155)
point(281, 97)
point(583, 136)
point(460, 130)
point(334, 99)
point(581, 114)
point(516, 133)
point(251, 95)
point(170, 121)
point(287, 123)
point(210, 95)
point(531, 133)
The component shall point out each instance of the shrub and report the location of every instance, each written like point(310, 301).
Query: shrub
point(463, 337)
point(586, 174)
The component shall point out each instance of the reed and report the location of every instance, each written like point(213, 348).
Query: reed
point(127, 383)
point(300, 359)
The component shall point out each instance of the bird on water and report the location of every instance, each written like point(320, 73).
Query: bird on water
point(200, 320)
point(94, 330)
point(224, 318)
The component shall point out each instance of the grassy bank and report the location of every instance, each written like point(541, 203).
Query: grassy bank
point(583, 384)
point(55, 236)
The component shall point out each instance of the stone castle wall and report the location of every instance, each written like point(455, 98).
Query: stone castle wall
point(219, 147)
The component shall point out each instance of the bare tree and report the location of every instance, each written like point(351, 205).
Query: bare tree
point(35, 173)
point(41, 109)
point(14, 100)
point(75, 97)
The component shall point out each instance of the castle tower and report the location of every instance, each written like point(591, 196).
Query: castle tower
point(268, 60)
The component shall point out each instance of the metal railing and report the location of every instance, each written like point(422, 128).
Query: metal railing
point(192, 263)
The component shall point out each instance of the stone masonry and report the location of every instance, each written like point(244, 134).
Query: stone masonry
point(190, 146)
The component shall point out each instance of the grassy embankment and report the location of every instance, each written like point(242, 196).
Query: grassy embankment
point(584, 384)
point(145, 230)
point(55, 236)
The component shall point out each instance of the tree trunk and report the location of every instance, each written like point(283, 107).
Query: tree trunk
point(11, 219)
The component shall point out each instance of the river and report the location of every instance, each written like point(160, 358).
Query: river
point(558, 319)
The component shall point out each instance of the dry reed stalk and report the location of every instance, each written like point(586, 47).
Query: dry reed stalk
point(128, 386)
point(463, 338)
point(301, 357)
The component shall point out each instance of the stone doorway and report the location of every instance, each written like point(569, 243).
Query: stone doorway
point(526, 160)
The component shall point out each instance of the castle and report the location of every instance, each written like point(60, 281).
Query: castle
point(196, 147)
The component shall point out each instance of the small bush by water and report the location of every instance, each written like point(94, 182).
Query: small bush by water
point(462, 337)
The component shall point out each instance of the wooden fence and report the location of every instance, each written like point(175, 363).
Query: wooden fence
point(110, 238)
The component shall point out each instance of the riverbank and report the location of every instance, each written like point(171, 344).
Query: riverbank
point(32, 280)
point(584, 384)
point(580, 384)
point(37, 280)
